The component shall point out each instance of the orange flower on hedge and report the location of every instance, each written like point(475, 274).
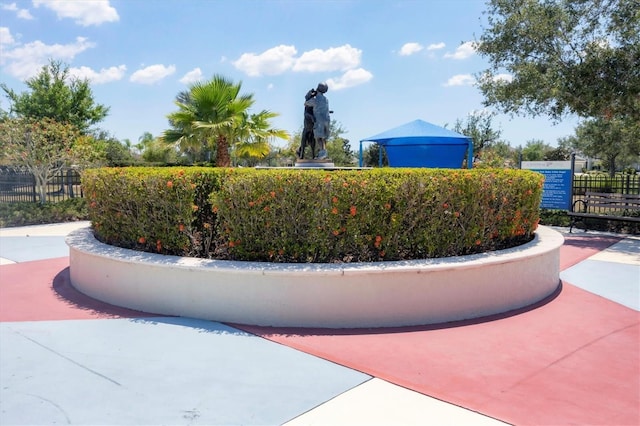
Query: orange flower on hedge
point(194, 208)
point(169, 184)
point(478, 242)
point(336, 232)
point(159, 245)
point(142, 240)
point(181, 227)
point(387, 206)
point(334, 200)
point(334, 210)
point(376, 244)
point(352, 210)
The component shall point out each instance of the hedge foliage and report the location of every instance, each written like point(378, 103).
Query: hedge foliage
point(31, 213)
point(293, 215)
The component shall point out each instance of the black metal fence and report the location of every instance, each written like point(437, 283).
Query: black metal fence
point(619, 184)
point(20, 186)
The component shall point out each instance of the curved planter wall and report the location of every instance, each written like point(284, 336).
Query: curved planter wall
point(318, 295)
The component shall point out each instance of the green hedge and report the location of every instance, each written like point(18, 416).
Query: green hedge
point(31, 213)
point(298, 215)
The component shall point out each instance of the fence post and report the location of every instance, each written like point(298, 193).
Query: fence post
point(33, 187)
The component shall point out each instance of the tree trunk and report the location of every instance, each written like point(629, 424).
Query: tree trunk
point(611, 163)
point(41, 186)
point(223, 159)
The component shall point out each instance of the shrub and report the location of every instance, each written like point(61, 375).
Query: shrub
point(372, 215)
point(313, 215)
point(163, 210)
point(30, 213)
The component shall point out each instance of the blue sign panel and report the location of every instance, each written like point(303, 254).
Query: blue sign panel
point(558, 183)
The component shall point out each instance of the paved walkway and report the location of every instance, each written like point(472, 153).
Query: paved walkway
point(68, 359)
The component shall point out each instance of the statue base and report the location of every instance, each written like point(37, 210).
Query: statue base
point(325, 163)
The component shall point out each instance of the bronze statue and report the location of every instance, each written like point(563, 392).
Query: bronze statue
point(316, 122)
point(307, 131)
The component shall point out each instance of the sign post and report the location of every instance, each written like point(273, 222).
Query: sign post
point(558, 183)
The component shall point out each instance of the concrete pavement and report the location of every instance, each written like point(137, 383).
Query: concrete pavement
point(66, 358)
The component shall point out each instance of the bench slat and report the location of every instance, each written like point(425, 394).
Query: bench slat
point(610, 206)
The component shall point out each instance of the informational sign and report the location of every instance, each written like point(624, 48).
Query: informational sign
point(558, 182)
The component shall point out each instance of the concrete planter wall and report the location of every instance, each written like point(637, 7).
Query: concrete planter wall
point(318, 295)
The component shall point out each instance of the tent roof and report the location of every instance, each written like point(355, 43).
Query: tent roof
point(418, 132)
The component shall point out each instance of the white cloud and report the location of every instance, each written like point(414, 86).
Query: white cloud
point(20, 13)
point(105, 75)
point(436, 46)
point(408, 49)
point(26, 61)
point(152, 74)
point(84, 13)
point(282, 58)
point(350, 78)
point(5, 36)
point(460, 80)
point(507, 78)
point(270, 62)
point(192, 76)
point(335, 58)
point(463, 51)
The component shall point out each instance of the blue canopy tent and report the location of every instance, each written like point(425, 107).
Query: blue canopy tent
point(422, 144)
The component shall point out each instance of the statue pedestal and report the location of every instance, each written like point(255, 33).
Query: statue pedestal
point(309, 164)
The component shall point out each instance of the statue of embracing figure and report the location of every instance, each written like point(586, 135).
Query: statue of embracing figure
point(316, 122)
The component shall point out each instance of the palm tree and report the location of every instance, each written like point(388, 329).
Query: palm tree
point(208, 117)
point(254, 134)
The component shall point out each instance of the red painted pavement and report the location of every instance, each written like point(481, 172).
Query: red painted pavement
point(40, 290)
point(579, 247)
point(571, 360)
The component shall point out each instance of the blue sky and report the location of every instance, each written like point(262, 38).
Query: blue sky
point(386, 62)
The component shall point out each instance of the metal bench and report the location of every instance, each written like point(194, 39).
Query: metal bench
point(608, 206)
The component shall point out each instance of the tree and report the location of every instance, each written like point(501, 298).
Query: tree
point(338, 147)
point(479, 127)
point(213, 115)
point(559, 153)
point(115, 152)
point(563, 57)
point(58, 96)
point(371, 156)
point(42, 146)
point(253, 137)
point(535, 150)
point(500, 154)
point(602, 138)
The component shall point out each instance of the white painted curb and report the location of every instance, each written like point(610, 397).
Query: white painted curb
point(380, 294)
